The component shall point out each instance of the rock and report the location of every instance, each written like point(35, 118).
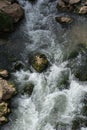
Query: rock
point(6, 22)
point(73, 54)
point(4, 3)
point(15, 11)
point(3, 120)
point(18, 65)
point(4, 110)
point(64, 19)
point(80, 75)
point(39, 62)
point(9, 14)
point(74, 1)
point(85, 3)
point(61, 5)
point(7, 90)
point(29, 89)
point(83, 10)
point(71, 1)
point(4, 73)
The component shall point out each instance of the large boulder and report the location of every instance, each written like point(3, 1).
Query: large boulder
point(39, 62)
point(9, 14)
point(7, 90)
point(15, 11)
point(6, 22)
point(70, 5)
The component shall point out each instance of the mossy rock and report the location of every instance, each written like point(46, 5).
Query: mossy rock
point(18, 65)
point(6, 22)
point(78, 122)
point(81, 75)
point(63, 82)
point(39, 62)
point(73, 54)
point(28, 89)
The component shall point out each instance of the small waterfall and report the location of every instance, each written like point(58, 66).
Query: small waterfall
point(52, 103)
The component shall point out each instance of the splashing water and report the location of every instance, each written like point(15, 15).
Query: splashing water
point(49, 105)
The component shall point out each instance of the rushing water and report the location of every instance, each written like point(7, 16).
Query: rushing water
point(54, 104)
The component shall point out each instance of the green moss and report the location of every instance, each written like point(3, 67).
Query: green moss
point(6, 22)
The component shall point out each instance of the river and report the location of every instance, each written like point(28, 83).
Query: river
point(57, 99)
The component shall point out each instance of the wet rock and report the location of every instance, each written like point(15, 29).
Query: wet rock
point(15, 11)
point(7, 90)
point(73, 54)
point(3, 120)
point(79, 66)
point(4, 73)
point(61, 5)
point(81, 75)
point(75, 6)
point(64, 19)
point(83, 10)
point(63, 82)
point(39, 62)
point(79, 122)
point(28, 89)
point(4, 3)
point(18, 65)
point(6, 22)
point(74, 1)
point(9, 14)
point(4, 110)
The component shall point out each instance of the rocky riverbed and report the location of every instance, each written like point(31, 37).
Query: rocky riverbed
point(46, 55)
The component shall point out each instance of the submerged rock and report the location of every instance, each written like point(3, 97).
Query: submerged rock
point(7, 90)
point(39, 62)
point(64, 19)
point(18, 65)
point(28, 89)
point(81, 75)
point(4, 110)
